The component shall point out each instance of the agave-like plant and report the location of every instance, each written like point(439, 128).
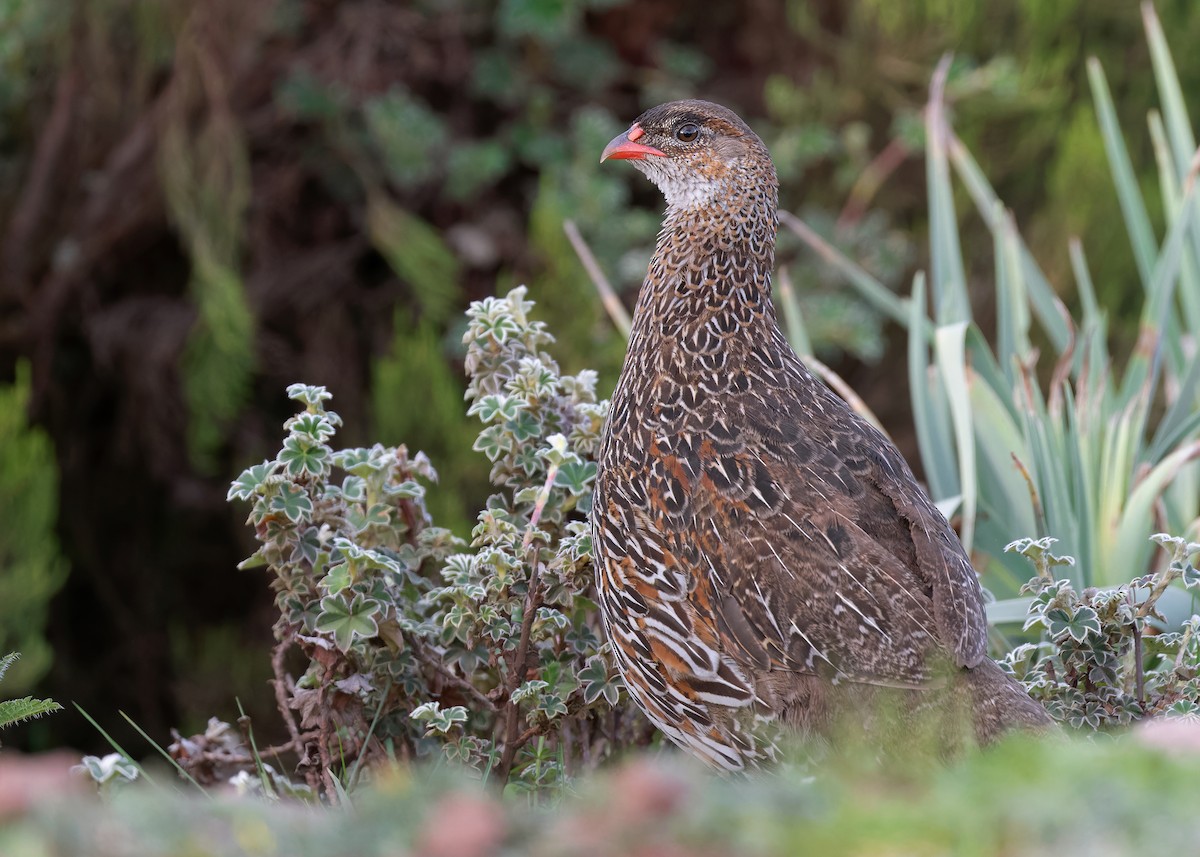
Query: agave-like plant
point(1097, 458)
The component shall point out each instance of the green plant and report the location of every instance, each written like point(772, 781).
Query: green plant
point(204, 169)
point(417, 645)
point(1102, 661)
point(490, 657)
point(1035, 798)
point(31, 567)
point(417, 399)
point(1091, 456)
point(110, 770)
point(17, 710)
point(1034, 128)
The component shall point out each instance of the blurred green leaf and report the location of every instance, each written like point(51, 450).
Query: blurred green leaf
point(542, 19)
point(304, 97)
point(418, 255)
point(407, 134)
point(475, 165)
point(32, 569)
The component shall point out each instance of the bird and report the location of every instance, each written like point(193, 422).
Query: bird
point(766, 562)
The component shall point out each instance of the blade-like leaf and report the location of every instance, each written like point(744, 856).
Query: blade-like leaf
point(793, 321)
point(930, 417)
point(1010, 611)
point(1172, 194)
point(872, 291)
point(951, 361)
point(1041, 294)
point(1012, 303)
point(1129, 195)
point(1179, 129)
point(950, 302)
point(1182, 418)
point(1131, 549)
point(1142, 372)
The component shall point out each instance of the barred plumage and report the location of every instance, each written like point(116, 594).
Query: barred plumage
point(764, 556)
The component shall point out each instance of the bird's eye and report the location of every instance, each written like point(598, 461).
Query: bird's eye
point(687, 133)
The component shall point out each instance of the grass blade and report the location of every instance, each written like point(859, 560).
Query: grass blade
point(162, 752)
point(112, 743)
point(352, 780)
point(343, 796)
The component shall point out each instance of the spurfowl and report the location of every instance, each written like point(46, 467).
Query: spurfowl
point(765, 557)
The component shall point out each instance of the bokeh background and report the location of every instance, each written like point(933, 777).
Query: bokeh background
point(202, 201)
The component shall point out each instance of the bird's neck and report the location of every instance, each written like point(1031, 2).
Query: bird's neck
point(712, 267)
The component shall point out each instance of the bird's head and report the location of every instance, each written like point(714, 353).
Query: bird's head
point(694, 151)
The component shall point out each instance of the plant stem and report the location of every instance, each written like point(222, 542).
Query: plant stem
point(325, 754)
point(608, 297)
point(454, 680)
point(1139, 675)
point(282, 686)
point(533, 600)
point(512, 721)
point(1161, 581)
point(870, 180)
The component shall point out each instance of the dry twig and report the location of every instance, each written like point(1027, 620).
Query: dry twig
point(608, 297)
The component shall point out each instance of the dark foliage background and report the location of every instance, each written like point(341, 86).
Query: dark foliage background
point(202, 201)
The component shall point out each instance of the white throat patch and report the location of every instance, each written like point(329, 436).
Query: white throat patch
point(683, 189)
point(693, 193)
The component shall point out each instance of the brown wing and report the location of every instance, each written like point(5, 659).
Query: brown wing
point(811, 539)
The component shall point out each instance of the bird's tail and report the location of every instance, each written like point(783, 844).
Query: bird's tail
point(998, 703)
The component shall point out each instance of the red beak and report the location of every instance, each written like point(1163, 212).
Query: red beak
point(624, 148)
